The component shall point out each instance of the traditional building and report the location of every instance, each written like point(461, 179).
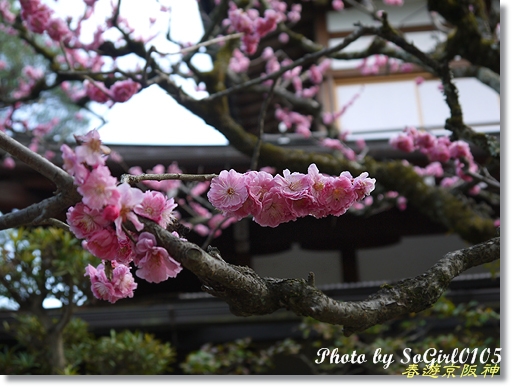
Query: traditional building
point(350, 255)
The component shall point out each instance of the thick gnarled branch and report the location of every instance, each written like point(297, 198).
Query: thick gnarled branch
point(249, 294)
point(48, 208)
point(61, 178)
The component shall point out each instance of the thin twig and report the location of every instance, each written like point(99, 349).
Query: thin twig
point(203, 44)
point(263, 114)
point(370, 11)
point(299, 62)
point(489, 181)
point(55, 223)
point(134, 179)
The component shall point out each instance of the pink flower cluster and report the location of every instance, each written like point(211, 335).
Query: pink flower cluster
point(239, 63)
point(203, 221)
point(6, 14)
point(337, 5)
point(440, 149)
point(99, 219)
point(291, 119)
point(333, 143)
point(279, 199)
point(121, 285)
point(120, 91)
point(397, 3)
point(39, 19)
point(252, 25)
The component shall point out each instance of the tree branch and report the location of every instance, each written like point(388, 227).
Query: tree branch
point(38, 213)
point(249, 294)
point(134, 179)
point(299, 62)
point(48, 208)
point(483, 74)
point(61, 178)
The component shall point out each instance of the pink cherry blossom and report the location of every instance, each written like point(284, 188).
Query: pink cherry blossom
point(294, 14)
point(309, 92)
point(228, 191)
point(221, 220)
point(268, 23)
point(317, 182)
point(97, 92)
point(339, 195)
point(274, 210)
point(102, 244)
point(125, 251)
point(303, 206)
point(424, 139)
point(459, 149)
point(283, 38)
point(36, 15)
point(155, 206)
point(419, 80)
point(440, 152)
point(111, 212)
point(293, 185)
point(91, 150)
point(99, 189)
point(84, 222)
point(49, 155)
point(259, 183)
point(433, 169)
point(154, 263)
point(397, 3)
point(122, 91)
point(33, 73)
point(332, 143)
point(363, 185)
point(9, 163)
point(239, 63)
point(448, 182)
point(200, 188)
point(267, 53)
point(129, 198)
point(200, 210)
point(460, 168)
point(361, 143)
point(72, 166)
point(401, 203)
point(337, 5)
point(58, 30)
point(6, 13)
point(315, 75)
point(201, 229)
point(121, 285)
point(403, 142)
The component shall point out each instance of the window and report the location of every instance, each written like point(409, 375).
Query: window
point(385, 108)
